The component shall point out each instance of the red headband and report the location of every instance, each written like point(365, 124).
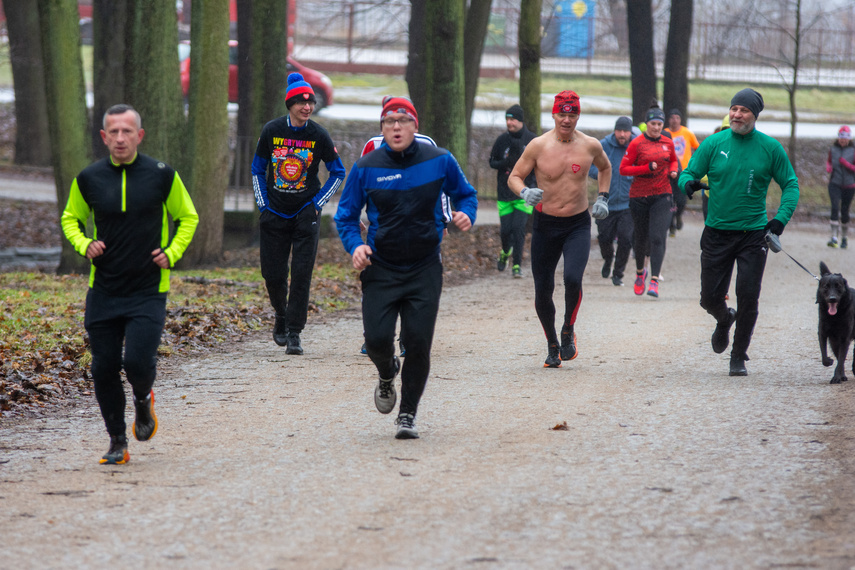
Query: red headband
point(566, 102)
point(392, 105)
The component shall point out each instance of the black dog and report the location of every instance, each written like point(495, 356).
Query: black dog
point(836, 301)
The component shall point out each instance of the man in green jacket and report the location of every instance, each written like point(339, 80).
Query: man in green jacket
point(128, 195)
point(740, 162)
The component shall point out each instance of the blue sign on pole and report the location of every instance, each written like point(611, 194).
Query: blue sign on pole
point(575, 20)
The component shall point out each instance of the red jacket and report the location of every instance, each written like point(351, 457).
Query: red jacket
point(640, 153)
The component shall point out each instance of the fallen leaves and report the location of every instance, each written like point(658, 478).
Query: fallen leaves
point(46, 360)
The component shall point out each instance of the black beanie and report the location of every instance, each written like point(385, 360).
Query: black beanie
point(654, 114)
point(750, 99)
point(515, 112)
point(623, 124)
point(675, 111)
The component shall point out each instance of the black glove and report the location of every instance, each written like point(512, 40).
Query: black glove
point(693, 186)
point(515, 151)
point(774, 226)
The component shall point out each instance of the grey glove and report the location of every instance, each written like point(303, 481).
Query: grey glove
point(532, 196)
point(600, 209)
point(773, 241)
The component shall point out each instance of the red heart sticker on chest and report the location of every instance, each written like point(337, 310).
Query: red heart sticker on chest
point(576, 168)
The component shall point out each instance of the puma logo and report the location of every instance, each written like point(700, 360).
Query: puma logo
point(724, 153)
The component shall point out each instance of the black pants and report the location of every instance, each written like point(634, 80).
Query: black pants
point(841, 199)
point(678, 207)
point(296, 238)
point(551, 238)
point(720, 249)
point(135, 322)
point(414, 295)
point(512, 232)
point(651, 217)
point(617, 225)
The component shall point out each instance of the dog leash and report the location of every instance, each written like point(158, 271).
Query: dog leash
point(774, 243)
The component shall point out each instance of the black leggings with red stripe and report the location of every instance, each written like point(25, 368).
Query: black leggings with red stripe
point(551, 238)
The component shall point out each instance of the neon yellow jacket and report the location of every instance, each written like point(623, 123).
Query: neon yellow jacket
point(129, 203)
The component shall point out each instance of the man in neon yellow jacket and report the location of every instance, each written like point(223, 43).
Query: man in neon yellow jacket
point(740, 163)
point(129, 195)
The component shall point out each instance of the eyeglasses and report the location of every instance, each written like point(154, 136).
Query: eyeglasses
point(403, 121)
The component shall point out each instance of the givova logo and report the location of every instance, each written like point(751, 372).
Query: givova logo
point(389, 178)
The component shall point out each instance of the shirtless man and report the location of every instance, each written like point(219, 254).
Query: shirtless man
point(561, 159)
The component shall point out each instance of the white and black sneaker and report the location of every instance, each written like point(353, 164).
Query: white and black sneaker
point(385, 396)
point(406, 427)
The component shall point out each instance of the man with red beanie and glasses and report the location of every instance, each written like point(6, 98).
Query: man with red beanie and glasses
point(289, 196)
point(561, 159)
point(400, 185)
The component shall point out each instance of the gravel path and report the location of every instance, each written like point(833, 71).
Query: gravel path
point(264, 460)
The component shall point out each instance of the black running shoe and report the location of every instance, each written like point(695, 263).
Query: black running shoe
point(118, 452)
point(552, 359)
point(294, 344)
point(737, 367)
point(406, 427)
point(568, 344)
point(607, 268)
point(721, 335)
point(145, 423)
point(385, 396)
point(280, 331)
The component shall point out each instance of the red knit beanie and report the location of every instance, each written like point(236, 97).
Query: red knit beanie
point(392, 105)
point(566, 102)
point(298, 90)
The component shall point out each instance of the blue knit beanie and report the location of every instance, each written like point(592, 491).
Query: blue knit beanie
point(298, 90)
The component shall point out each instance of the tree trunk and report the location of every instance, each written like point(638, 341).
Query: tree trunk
point(792, 145)
point(529, 47)
point(444, 119)
point(152, 81)
point(618, 23)
point(66, 106)
point(475, 32)
point(32, 142)
point(676, 80)
point(641, 63)
point(247, 129)
point(416, 74)
point(270, 25)
point(109, 27)
point(208, 128)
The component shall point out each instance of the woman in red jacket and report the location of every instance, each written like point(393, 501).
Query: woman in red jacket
point(651, 159)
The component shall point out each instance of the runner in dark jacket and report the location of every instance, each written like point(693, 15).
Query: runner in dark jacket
point(840, 166)
point(400, 186)
point(129, 196)
point(513, 211)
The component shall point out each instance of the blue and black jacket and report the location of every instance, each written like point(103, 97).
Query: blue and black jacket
point(619, 186)
point(401, 193)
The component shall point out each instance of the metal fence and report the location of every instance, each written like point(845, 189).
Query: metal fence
point(351, 32)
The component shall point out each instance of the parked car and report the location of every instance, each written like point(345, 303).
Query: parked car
point(320, 83)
